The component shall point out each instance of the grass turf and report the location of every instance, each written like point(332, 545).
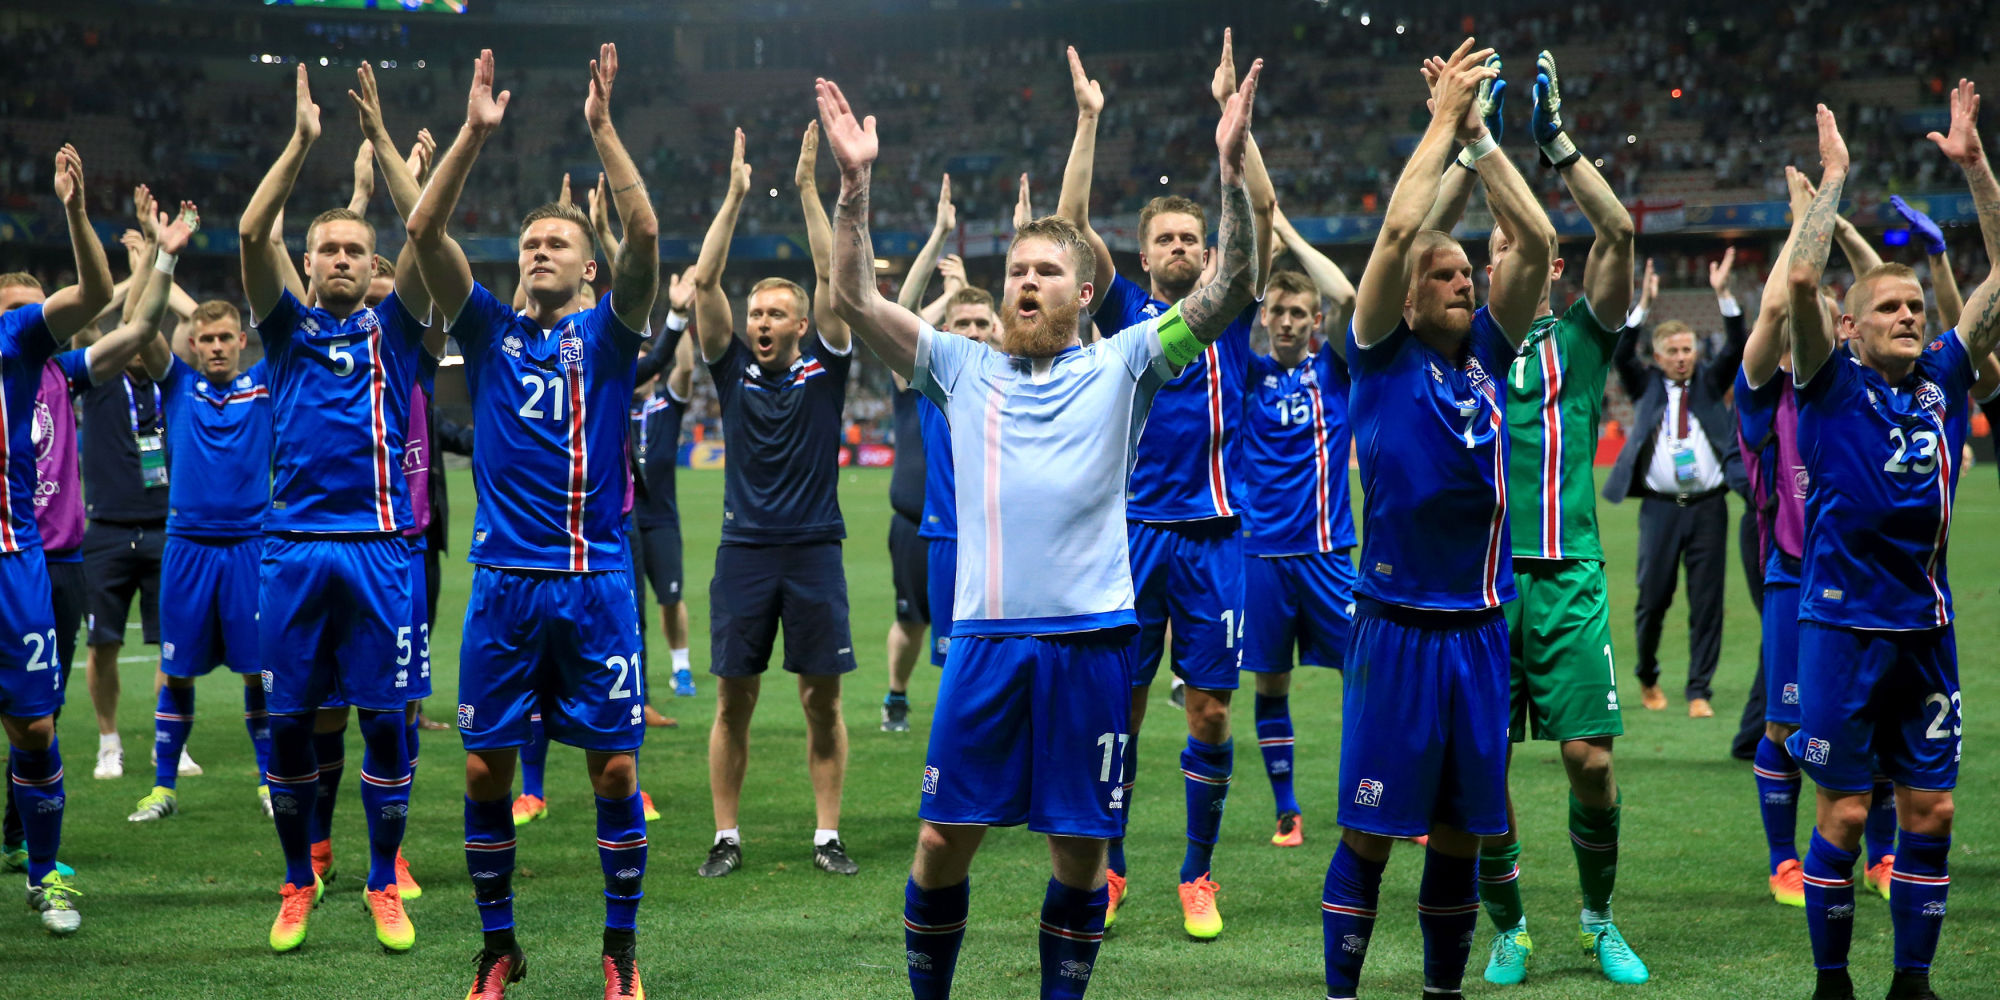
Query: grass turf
point(180, 908)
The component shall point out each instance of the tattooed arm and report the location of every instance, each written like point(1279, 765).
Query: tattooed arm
point(1979, 323)
point(1812, 338)
point(1210, 309)
point(889, 329)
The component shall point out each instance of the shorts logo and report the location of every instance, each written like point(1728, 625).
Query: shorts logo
point(1385, 569)
point(265, 675)
point(166, 651)
point(943, 645)
point(402, 678)
point(1817, 750)
point(1791, 695)
point(1354, 944)
point(918, 960)
point(674, 587)
point(1368, 793)
point(464, 716)
point(637, 717)
point(1073, 969)
point(1934, 908)
point(1117, 796)
point(930, 780)
point(1832, 594)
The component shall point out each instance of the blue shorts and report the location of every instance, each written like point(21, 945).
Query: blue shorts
point(1867, 697)
point(1304, 601)
point(208, 614)
point(329, 616)
point(1189, 575)
point(31, 681)
point(1424, 723)
point(565, 645)
point(943, 580)
point(1781, 653)
point(1032, 729)
point(413, 650)
point(757, 587)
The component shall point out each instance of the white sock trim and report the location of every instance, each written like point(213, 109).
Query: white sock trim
point(730, 834)
point(823, 837)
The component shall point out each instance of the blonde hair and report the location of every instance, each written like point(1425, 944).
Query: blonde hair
point(1066, 236)
point(1858, 294)
point(798, 291)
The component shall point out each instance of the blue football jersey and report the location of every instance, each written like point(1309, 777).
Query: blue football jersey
point(340, 400)
point(551, 411)
point(218, 452)
point(940, 491)
point(1431, 437)
point(1189, 461)
point(1884, 463)
point(1296, 440)
point(25, 343)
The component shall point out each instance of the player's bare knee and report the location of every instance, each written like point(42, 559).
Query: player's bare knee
point(1371, 846)
point(1077, 862)
point(1779, 732)
point(30, 734)
point(177, 683)
point(330, 720)
point(1208, 714)
point(1589, 765)
point(1276, 685)
point(1928, 813)
point(489, 775)
point(613, 775)
point(1453, 842)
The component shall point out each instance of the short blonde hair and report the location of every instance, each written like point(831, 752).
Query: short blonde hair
point(798, 291)
point(20, 279)
point(1065, 235)
point(1859, 294)
point(1668, 330)
point(215, 311)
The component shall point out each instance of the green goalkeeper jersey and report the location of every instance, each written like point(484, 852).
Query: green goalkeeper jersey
point(1555, 402)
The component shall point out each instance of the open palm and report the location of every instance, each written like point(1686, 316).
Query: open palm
point(1962, 144)
point(853, 141)
point(483, 109)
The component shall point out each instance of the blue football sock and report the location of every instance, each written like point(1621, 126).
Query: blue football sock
point(1347, 918)
point(37, 777)
point(1778, 799)
point(621, 850)
point(173, 717)
point(258, 722)
point(1072, 930)
point(295, 782)
point(1879, 834)
point(534, 757)
point(385, 792)
point(330, 749)
point(410, 739)
point(933, 930)
point(1274, 739)
point(1206, 767)
point(1448, 913)
point(1917, 890)
point(1829, 875)
point(489, 859)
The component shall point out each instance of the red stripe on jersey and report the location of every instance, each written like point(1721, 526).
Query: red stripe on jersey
point(1496, 530)
point(1323, 522)
point(1939, 612)
point(242, 396)
point(579, 458)
point(8, 543)
point(378, 424)
point(1552, 448)
point(1218, 472)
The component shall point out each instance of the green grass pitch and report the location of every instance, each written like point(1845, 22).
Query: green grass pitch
point(180, 908)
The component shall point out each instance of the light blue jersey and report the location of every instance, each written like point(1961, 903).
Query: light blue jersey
point(1042, 449)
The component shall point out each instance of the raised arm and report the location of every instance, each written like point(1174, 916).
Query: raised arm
point(447, 276)
point(635, 272)
point(1770, 335)
point(1455, 187)
point(819, 237)
point(1385, 283)
point(1979, 324)
point(1074, 203)
point(1209, 309)
point(1607, 274)
point(263, 282)
point(1813, 340)
point(404, 194)
point(919, 277)
point(69, 309)
point(1721, 370)
point(888, 329)
point(364, 176)
point(110, 354)
point(1263, 196)
point(1326, 276)
point(680, 381)
point(600, 219)
point(712, 319)
point(952, 269)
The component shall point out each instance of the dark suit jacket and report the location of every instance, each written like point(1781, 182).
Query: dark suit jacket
point(1647, 387)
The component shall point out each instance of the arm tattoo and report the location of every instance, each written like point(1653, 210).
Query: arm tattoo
point(1209, 309)
point(629, 187)
point(1815, 240)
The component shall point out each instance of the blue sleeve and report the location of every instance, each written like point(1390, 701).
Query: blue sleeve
point(1834, 374)
point(1947, 362)
point(627, 339)
point(275, 329)
point(1377, 357)
point(1337, 376)
point(836, 363)
point(477, 320)
point(75, 367)
point(407, 326)
point(1120, 307)
point(25, 334)
point(727, 371)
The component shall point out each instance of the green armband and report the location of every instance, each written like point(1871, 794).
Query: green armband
point(1177, 342)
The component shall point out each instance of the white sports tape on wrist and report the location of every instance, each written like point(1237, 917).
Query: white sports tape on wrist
point(164, 263)
point(1479, 148)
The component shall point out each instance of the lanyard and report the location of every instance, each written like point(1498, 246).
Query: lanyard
point(132, 408)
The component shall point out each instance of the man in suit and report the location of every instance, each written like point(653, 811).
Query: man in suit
point(1680, 459)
